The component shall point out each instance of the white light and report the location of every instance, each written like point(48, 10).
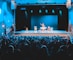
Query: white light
point(40, 11)
point(46, 11)
point(68, 3)
point(0, 11)
point(3, 25)
point(31, 11)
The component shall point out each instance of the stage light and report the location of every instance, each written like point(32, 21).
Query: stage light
point(31, 11)
point(0, 11)
point(23, 8)
point(40, 11)
point(46, 11)
point(3, 26)
point(26, 13)
point(60, 12)
point(53, 11)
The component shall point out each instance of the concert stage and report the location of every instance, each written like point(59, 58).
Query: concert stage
point(42, 33)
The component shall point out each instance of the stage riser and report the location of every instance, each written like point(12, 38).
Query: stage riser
point(41, 34)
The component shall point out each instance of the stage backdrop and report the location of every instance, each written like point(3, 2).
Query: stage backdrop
point(48, 20)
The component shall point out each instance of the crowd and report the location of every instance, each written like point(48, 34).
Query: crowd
point(35, 48)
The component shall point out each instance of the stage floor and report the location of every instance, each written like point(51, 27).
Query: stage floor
point(41, 33)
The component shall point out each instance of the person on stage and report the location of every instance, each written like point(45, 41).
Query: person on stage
point(43, 27)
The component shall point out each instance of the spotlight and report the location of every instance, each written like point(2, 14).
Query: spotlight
point(0, 10)
point(23, 8)
point(40, 11)
point(60, 12)
point(3, 26)
point(46, 11)
point(26, 13)
point(53, 11)
point(31, 11)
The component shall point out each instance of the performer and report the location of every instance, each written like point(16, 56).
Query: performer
point(43, 27)
point(49, 28)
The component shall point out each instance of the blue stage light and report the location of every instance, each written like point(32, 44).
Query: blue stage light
point(53, 11)
point(60, 12)
point(26, 13)
point(31, 11)
point(46, 11)
point(40, 11)
point(23, 8)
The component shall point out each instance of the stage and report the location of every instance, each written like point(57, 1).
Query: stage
point(42, 33)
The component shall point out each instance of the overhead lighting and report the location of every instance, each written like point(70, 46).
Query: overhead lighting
point(60, 12)
point(46, 11)
point(31, 11)
point(53, 11)
point(68, 4)
point(23, 8)
point(40, 11)
point(26, 13)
